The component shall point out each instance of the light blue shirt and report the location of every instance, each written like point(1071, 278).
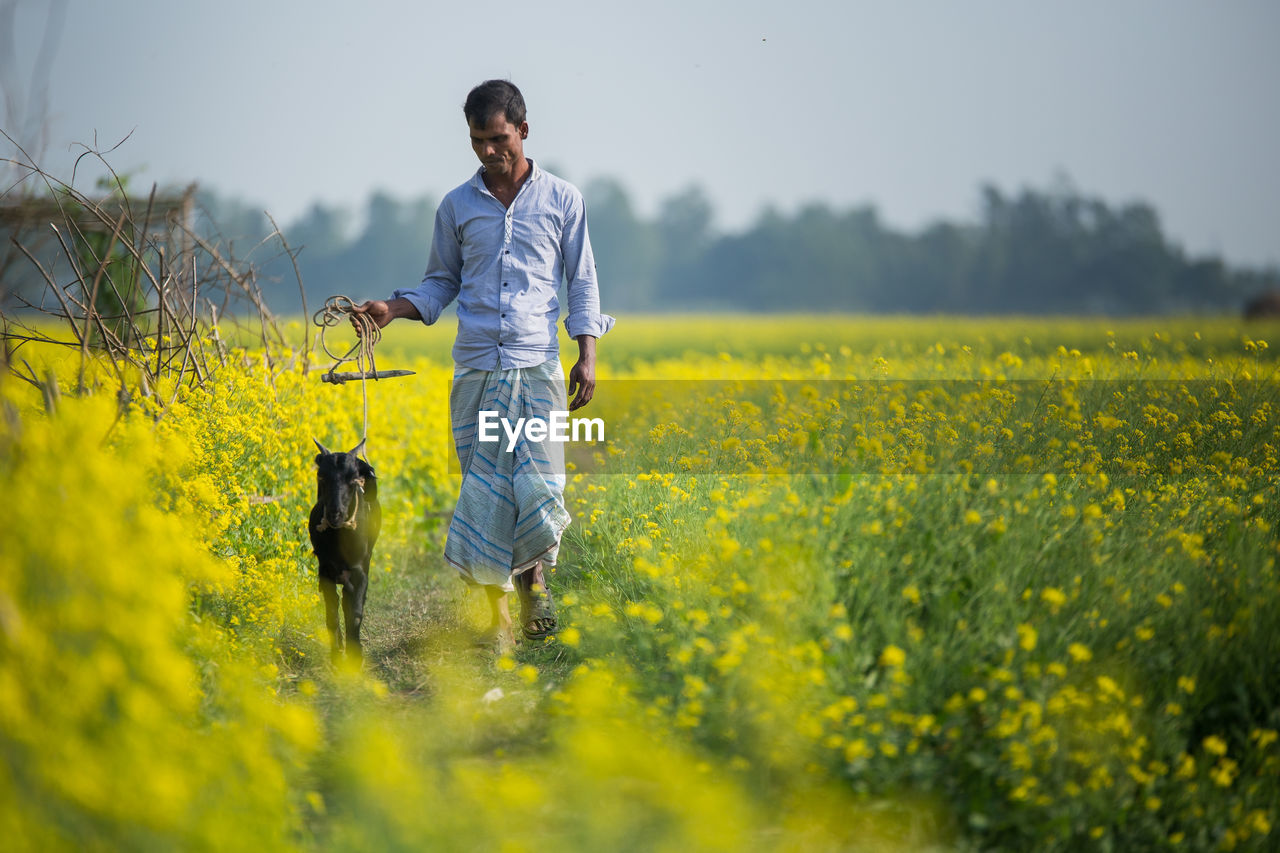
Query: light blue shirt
point(505, 265)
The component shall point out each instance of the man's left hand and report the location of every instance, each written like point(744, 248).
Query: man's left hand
point(582, 380)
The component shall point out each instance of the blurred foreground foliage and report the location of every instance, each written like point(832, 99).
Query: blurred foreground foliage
point(1080, 654)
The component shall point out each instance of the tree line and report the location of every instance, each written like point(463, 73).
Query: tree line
point(1037, 251)
point(1051, 251)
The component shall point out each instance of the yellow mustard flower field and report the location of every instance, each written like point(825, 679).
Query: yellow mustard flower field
point(832, 583)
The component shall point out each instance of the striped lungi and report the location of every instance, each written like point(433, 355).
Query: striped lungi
point(510, 512)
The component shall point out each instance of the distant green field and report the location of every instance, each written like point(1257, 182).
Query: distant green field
point(642, 337)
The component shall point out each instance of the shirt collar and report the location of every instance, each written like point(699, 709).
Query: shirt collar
point(477, 180)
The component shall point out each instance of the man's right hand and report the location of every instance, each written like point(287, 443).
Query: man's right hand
point(378, 310)
point(382, 313)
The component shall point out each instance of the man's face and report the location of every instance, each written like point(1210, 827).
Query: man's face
point(499, 144)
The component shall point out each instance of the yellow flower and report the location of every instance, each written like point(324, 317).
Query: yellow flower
point(1054, 597)
point(856, 749)
point(1224, 772)
point(1214, 745)
point(1079, 653)
point(1108, 686)
point(892, 656)
point(1026, 637)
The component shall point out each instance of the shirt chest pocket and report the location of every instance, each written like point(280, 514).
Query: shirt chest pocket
point(539, 232)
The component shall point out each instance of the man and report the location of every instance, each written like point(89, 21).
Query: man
point(502, 242)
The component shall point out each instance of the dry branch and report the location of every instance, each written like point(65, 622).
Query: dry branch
point(129, 301)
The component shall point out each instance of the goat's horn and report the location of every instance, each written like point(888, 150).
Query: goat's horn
point(359, 448)
point(323, 449)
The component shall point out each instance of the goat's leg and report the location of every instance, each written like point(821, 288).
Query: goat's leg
point(353, 591)
point(330, 592)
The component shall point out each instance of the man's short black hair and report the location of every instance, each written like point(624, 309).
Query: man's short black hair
point(491, 97)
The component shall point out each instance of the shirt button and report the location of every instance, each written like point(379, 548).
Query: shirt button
point(504, 315)
point(499, 343)
point(504, 284)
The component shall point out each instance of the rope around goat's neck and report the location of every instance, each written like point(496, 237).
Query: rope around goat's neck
point(336, 311)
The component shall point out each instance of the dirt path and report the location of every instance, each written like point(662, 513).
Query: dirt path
point(421, 615)
point(415, 620)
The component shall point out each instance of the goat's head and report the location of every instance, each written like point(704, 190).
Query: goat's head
point(340, 483)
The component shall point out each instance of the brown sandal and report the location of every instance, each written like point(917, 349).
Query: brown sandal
point(537, 609)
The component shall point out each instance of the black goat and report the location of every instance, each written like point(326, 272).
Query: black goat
point(344, 527)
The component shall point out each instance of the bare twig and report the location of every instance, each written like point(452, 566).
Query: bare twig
point(302, 291)
point(118, 255)
point(53, 285)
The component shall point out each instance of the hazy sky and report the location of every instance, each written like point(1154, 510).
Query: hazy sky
point(908, 105)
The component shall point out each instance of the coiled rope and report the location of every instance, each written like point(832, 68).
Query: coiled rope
point(337, 311)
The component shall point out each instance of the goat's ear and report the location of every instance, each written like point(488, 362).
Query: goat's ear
point(359, 448)
point(323, 449)
point(366, 470)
